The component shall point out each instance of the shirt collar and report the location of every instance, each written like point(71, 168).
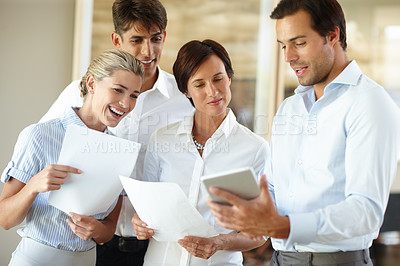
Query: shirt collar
point(161, 83)
point(226, 127)
point(70, 117)
point(349, 76)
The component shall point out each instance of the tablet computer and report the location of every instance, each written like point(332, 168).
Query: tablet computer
point(241, 182)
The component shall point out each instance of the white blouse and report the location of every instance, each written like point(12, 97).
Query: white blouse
point(172, 157)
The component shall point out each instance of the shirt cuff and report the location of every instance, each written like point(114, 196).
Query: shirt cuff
point(303, 229)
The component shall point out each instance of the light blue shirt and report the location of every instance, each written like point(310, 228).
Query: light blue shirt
point(38, 146)
point(333, 163)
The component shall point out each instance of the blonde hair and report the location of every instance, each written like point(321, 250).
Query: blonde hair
point(106, 63)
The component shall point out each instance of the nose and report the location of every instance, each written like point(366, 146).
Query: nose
point(146, 48)
point(211, 90)
point(124, 102)
point(290, 55)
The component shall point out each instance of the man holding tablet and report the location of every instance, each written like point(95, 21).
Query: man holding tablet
point(334, 149)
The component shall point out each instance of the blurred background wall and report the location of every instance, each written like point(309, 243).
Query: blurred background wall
point(35, 66)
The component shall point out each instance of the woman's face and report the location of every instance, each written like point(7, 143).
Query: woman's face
point(112, 98)
point(209, 87)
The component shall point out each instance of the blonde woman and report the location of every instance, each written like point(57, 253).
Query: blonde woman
point(51, 237)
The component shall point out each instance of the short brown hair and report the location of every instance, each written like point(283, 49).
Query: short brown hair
point(146, 12)
point(325, 15)
point(192, 55)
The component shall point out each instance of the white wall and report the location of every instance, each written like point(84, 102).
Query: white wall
point(35, 66)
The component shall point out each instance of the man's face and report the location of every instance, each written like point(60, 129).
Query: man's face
point(144, 45)
point(309, 55)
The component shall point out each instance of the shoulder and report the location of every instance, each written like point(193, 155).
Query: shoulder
point(251, 137)
point(39, 130)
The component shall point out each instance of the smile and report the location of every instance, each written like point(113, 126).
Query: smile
point(300, 70)
point(146, 62)
point(215, 102)
point(116, 111)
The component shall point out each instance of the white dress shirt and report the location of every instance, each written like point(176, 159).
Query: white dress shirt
point(155, 108)
point(172, 157)
point(333, 162)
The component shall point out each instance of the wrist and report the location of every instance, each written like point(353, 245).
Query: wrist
point(281, 228)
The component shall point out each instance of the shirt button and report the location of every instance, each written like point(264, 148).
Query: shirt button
point(291, 194)
point(299, 162)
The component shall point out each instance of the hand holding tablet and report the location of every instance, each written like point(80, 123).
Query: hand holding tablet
point(241, 182)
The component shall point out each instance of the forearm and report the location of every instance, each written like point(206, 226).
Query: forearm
point(239, 242)
point(106, 228)
point(15, 202)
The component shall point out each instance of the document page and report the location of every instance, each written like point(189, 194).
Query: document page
point(101, 158)
point(165, 208)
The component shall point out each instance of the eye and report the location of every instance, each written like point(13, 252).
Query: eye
point(134, 96)
point(117, 90)
point(301, 44)
point(157, 39)
point(198, 85)
point(136, 41)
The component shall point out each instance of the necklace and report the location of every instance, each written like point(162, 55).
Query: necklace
point(198, 145)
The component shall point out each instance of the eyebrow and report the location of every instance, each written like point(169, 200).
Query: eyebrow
point(126, 87)
point(294, 38)
point(140, 36)
point(219, 73)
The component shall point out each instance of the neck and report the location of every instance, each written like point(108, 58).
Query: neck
point(340, 63)
point(89, 119)
point(148, 82)
point(204, 126)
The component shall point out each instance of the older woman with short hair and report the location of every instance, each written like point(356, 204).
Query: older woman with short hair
point(210, 141)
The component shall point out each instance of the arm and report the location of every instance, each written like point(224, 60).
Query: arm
point(206, 247)
point(17, 197)
point(87, 227)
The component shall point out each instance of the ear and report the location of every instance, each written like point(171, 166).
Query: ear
point(165, 35)
point(90, 81)
point(116, 39)
point(333, 37)
point(187, 94)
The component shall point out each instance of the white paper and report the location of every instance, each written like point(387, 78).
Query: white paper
point(165, 208)
point(101, 158)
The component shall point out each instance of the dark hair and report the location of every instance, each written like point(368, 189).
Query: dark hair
point(146, 12)
point(192, 55)
point(325, 15)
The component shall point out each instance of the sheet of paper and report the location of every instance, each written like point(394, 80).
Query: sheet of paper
point(101, 158)
point(165, 208)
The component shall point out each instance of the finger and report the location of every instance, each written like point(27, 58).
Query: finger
point(67, 169)
point(79, 231)
point(77, 219)
point(265, 195)
point(226, 195)
point(137, 221)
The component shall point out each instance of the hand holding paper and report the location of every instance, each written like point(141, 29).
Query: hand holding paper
point(101, 158)
point(166, 209)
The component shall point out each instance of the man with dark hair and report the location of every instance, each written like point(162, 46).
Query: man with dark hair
point(139, 29)
point(334, 149)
